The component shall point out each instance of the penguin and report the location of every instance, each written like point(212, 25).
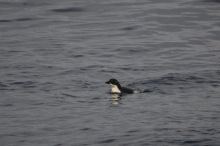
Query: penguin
point(116, 87)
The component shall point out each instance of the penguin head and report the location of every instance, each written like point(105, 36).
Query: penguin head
point(113, 82)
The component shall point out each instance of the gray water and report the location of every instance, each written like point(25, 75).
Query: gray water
point(56, 55)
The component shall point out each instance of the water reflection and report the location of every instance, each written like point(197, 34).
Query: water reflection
point(116, 98)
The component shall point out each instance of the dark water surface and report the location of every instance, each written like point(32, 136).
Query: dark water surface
point(56, 56)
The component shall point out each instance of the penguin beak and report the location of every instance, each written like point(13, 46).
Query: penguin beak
point(108, 82)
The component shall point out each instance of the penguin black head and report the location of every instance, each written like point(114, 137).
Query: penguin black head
point(116, 87)
point(113, 82)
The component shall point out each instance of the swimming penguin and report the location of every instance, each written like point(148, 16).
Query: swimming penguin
point(116, 87)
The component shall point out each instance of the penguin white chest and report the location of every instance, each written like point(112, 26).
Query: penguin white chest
point(115, 88)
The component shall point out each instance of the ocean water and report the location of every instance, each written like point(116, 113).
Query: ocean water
point(55, 57)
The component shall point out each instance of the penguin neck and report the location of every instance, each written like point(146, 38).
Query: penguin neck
point(116, 88)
